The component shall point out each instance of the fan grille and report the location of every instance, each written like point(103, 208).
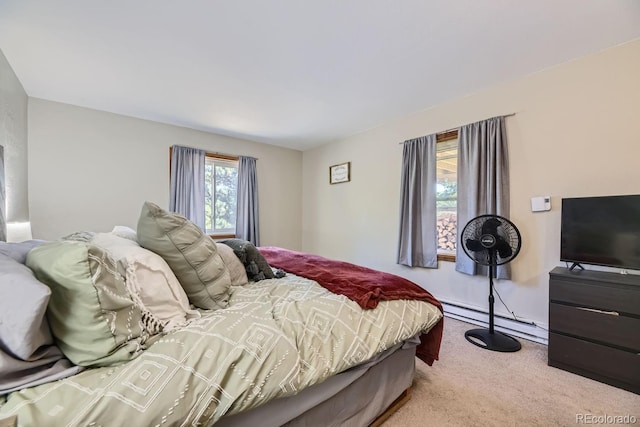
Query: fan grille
point(491, 240)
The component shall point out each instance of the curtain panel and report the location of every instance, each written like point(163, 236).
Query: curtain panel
point(247, 224)
point(417, 246)
point(483, 182)
point(3, 199)
point(187, 192)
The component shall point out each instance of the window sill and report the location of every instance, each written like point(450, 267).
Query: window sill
point(222, 236)
point(447, 257)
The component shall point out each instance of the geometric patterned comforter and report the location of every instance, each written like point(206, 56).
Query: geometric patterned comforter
point(277, 337)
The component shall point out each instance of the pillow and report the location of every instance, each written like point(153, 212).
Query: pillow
point(23, 306)
point(95, 317)
point(28, 354)
point(125, 232)
point(236, 268)
point(19, 251)
point(255, 265)
point(190, 253)
point(151, 277)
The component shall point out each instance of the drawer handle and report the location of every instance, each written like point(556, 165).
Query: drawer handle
point(610, 313)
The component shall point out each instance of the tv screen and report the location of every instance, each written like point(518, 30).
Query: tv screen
point(601, 231)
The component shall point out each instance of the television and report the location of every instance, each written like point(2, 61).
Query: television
point(601, 231)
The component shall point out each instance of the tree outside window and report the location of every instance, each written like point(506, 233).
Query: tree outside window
point(221, 189)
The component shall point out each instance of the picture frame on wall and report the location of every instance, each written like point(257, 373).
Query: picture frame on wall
point(340, 173)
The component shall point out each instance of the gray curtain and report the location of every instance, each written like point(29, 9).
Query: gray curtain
point(3, 214)
point(483, 182)
point(187, 191)
point(417, 246)
point(247, 226)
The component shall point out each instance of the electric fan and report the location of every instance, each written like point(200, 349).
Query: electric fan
point(491, 240)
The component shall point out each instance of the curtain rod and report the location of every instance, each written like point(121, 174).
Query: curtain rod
point(457, 128)
point(213, 153)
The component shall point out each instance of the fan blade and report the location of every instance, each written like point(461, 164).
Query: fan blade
point(503, 248)
point(474, 245)
point(490, 226)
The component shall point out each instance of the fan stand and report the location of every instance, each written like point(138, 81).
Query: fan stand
point(491, 339)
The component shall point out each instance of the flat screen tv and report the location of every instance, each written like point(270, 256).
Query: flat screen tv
point(601, 231)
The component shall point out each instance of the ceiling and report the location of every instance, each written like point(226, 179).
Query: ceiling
point(293, 73)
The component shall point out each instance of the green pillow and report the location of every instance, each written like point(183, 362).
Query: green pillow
point(94, 316)
point(191, 254)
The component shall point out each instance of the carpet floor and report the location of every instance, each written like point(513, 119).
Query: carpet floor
point(471, 386)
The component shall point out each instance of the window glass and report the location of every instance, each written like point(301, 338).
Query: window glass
point(447, 194)
point(221, 184)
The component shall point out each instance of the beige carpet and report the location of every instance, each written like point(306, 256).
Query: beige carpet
point(470, 386)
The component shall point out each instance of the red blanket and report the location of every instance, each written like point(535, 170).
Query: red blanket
point(363, 285)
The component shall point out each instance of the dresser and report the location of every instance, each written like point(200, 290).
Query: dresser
point(594, 325)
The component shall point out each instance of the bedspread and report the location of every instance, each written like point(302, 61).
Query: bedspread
point(277, 337)
point(364, 285)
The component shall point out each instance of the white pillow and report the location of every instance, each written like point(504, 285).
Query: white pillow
point(160, 291)
point(126, 232)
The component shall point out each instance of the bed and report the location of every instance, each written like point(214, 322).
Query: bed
point(312, 342)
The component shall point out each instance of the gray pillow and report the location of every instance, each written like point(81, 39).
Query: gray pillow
point(28, 354)
point(19, 251)
point(191, 254)
point(23, 306)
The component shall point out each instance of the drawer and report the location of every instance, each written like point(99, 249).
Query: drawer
point(605, 364)
point(592, 325)
point(623, 299)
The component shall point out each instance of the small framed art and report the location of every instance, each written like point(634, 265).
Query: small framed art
point(340, 173)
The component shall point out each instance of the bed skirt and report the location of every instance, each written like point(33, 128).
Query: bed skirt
point(356, 397)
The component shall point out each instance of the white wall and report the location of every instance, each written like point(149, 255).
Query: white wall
point(576, 132)
point(91, 170)
point(13, 137)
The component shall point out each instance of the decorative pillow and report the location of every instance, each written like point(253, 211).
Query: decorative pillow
point(151, 277)
point(125, 232)
point(95, 317)
point(28, 354)
point(255, 265)
point(236, 269)
point(190, 253)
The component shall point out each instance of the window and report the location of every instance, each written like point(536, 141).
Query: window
point(447, 194)
point(221, 189)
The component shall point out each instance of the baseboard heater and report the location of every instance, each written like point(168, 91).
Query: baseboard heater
point(519, 328)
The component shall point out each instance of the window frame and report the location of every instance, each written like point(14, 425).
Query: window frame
point(443, 137)
point(226, 158)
